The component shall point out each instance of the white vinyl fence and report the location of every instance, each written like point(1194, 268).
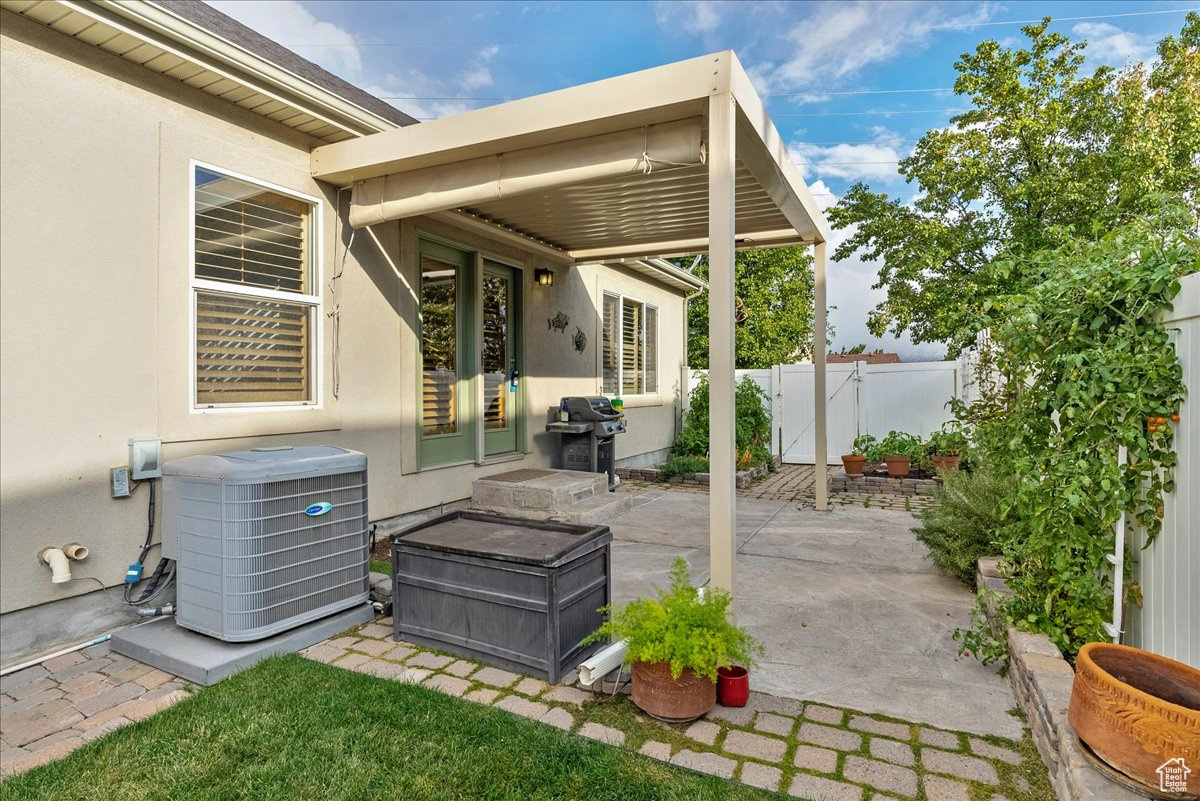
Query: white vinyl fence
point(1168, 621)
point(862, 399)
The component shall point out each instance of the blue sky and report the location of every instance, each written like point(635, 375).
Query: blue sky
point(829, 71)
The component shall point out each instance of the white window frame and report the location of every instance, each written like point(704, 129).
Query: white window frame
point(618, 330)
point(314, 301)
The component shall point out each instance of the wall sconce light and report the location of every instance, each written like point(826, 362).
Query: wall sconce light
point(543, 276)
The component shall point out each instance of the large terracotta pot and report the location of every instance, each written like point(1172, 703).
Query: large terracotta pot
point(853, 465)
point(897, 466)
point(673, 700)
point(1137, 710)
point(944, 463)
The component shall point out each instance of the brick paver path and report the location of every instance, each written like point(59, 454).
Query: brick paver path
point(794, 483)
point(49, 710)
point(809, 751)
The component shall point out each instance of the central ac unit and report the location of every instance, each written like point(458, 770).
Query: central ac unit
point(266, 540)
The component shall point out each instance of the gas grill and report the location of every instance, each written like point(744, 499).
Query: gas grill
point(588, 435)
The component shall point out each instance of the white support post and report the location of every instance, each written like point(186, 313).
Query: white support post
point(722, 491)
point(821, 468)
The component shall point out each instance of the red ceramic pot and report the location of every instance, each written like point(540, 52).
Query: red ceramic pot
point(733, 686)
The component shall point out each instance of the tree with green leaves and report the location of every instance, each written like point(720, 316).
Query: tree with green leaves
point(1043, 149)
point(774, 290)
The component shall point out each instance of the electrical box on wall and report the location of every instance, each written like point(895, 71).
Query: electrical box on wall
point(119, 476)
point(145, 458)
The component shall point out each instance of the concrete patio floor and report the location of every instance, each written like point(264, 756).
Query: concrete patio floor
point(850, 608)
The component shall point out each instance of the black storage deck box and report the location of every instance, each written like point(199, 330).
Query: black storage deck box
point(514, 593)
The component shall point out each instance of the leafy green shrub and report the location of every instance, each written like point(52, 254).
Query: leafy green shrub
point(682, 628)
point(964, 521)
point(866, 446)
point(682, 465)
point(1088, 368)
point(950, 440)
point(752, 425)
point(897, 443)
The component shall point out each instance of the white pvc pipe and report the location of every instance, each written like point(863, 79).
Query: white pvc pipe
point(60, 567)
point(602, 663)
point(69, 649)
point(1117, 558)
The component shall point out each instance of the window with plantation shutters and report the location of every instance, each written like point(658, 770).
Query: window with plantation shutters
point(629, 358)
point(256, 307)
point(610, 357)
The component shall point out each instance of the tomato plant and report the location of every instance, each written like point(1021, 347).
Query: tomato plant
point(1088, 368)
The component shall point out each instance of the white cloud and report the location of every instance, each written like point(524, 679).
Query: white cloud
point(837, 40)
point(1108, 44)
point(688, 16)
point(290, 24)
point(851, 289)
point(475, 79)
point(874, 161)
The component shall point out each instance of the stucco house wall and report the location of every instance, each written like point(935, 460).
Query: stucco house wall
point(96, 338)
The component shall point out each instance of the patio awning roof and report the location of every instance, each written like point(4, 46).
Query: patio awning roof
point(673, 160)
point(612, 169)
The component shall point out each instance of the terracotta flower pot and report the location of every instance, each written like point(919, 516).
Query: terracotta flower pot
point(733, 686)
point(673, 700)
point(944, 463)
point(853, 465)
point(897, 466)
point(1136, 710)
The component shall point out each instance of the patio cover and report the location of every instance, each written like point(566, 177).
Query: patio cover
point(675, 160)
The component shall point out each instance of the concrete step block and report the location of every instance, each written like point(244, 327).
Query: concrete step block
point(600, 509)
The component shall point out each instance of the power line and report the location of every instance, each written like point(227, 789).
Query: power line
point(597, 40)
point(879, 113)
point(777, 94)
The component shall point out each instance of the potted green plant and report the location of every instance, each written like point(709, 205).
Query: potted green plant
point(677, 640)
point(899, 450)
point(865, 448)
point(946, 447)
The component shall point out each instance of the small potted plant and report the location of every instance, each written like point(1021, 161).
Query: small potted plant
point(864, 449)
point(899, 450)
point(946, 447)
point(677, 641)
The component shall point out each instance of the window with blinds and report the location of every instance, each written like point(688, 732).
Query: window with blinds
point(629, 357)
point(611, 348)
point(256, 311)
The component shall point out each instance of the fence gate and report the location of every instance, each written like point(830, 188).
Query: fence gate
point(862, 399)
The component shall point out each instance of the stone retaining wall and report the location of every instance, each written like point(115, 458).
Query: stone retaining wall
point(743, 478)
point(1041, 680)
point(840, 482)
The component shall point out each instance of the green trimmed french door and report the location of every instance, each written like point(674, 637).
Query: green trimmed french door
point(498, 358)
point(470, 346)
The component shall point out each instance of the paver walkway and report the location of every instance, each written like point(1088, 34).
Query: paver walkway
point(49, 710)
point(809, 750)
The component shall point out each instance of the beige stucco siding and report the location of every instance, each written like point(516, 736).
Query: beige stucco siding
point(95, 327)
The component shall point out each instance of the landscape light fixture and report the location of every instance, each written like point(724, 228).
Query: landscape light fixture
point(543, 276)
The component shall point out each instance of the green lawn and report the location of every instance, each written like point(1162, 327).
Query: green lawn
point(291, 728)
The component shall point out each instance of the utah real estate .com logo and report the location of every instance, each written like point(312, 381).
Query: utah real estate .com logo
point(1172, 776)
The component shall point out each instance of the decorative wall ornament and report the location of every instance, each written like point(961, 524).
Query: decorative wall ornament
point(559, 322)
point(580, 339)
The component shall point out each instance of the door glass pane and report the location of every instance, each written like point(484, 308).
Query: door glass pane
point(439, 346)
point(496, 354)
